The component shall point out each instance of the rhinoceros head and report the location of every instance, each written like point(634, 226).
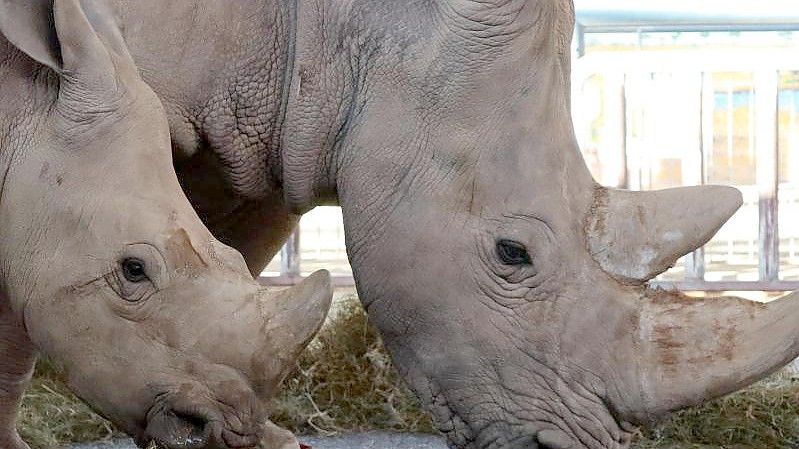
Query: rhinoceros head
point(157, 324)
point(508, 286)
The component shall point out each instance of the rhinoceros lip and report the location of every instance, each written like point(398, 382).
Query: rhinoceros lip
point(191, 427)
point(177, 431)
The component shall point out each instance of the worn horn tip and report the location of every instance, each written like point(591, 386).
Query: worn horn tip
point(320, 282)
point(728, 199)
point(311, 297)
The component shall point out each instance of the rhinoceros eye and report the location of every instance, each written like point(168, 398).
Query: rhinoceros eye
point(133, 270)
point(513, 253)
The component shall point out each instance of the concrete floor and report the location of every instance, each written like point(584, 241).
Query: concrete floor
point(373, 440)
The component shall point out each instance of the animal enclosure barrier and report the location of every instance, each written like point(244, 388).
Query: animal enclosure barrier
point(688, 99)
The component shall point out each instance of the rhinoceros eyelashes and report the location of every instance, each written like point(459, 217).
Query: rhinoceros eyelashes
point(134, 270)
point(513, 253)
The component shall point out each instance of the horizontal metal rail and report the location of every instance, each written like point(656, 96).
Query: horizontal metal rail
point(727, 286)
point(687, 28)
point(345, 281)
point(670, 16)
point(338, 281)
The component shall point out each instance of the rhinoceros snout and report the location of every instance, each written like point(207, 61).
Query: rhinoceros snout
point(194, 426)
point(177, 431)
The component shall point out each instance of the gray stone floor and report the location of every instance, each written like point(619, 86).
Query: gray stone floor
point(374, 440)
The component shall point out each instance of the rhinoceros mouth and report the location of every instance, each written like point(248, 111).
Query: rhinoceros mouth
point(177, 431)
point(178, 424)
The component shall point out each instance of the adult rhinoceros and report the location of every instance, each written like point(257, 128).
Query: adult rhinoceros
point(104, 265)
point(508, 285)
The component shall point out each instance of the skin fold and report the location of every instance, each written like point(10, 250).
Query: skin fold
point(104, 265)
point(508, 286)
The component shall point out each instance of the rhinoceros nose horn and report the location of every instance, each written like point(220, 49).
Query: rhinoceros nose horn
point(293, 317)
point(634, 236)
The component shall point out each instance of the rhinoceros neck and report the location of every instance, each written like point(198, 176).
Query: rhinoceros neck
point(265, 87)
point(335, 56)
point(219, 68)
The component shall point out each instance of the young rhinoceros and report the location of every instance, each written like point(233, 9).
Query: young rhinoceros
point(104, 265)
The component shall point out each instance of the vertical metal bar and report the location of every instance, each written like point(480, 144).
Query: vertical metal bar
point(612, 151)
point(624, 180)
point(767, 110)
point(579, 39)
point(290, 256)
point(708, 130)
point(646, 151)
point(633, 156)
point(752, 122)
point(730, 130)
point(695, 262)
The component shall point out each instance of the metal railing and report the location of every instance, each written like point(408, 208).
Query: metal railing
point(318, 242)
point(764, 67)
point(668, 16)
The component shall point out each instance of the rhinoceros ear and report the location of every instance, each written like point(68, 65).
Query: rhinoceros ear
point(29, 26)
point(59, 34)
point(634, 236)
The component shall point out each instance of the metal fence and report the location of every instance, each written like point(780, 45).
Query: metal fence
point(318, 243)
point(704, 116)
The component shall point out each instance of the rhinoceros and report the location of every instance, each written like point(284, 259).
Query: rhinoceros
point(508, 286)
point(104, 265)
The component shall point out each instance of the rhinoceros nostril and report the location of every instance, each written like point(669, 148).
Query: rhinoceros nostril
point(177, 431)
point(235, 440)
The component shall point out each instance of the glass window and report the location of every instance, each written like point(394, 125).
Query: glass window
point(273, 269)
point(663, 140)
point(789, 175)
point(322, 242)
point(731, 158)
point(600, 127)
point(733, 254)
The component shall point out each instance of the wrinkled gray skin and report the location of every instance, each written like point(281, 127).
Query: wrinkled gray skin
point(107, 269)
point(508, 286)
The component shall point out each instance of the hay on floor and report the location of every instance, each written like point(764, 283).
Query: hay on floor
point(345, 382)
point(51, 415)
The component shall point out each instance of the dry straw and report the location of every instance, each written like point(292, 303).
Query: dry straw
point(345, 382)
